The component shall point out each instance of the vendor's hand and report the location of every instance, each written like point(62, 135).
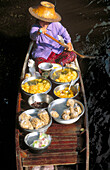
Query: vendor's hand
point(70, 48)
point(43, 29)
point(44, 26)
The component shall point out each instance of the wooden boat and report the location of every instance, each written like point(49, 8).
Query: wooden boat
point(70, 143)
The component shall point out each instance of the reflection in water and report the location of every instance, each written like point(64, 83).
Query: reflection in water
point(88, 23)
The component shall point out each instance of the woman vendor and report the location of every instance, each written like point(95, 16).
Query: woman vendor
point(46, 49)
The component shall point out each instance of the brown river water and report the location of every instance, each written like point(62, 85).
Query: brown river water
point(88, 22)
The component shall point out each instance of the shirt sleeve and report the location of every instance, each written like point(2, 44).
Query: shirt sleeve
point(33, 32)
point(64, 33)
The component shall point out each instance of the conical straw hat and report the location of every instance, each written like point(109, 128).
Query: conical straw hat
point(45, 12)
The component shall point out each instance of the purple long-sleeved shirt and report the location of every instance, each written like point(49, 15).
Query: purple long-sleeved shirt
point(44, 45)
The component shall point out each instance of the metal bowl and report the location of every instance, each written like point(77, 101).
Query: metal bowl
point(40, 98)
point(59, 105)
point(34, 114)
point(31, 137)
point(33, 78)
point(45, 66)
point(53, 78)
point(63, 86)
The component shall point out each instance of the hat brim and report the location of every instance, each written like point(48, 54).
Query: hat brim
point(56, 18)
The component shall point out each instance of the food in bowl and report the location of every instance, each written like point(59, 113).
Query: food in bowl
point(43, 115)
point(60, 106)
point(42, 142)
point(26, 124)
point(25, 121)
point(36, 86)
point(66, 111)
point(65, 75)
point(37, 123)
point(65, 116)
point(40, 100)
point(39, 105)
point(37, 141)
point(65, 93)
point(34, 123)
point(24, 116)
point(54, 114)
point(70, 102)
point(73, 111)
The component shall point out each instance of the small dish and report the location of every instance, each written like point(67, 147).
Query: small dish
point(43, 139)
point(45, 66)
point(40, 101)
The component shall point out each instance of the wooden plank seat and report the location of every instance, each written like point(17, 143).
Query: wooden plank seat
point(62, 151)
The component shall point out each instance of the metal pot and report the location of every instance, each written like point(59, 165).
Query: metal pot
point(60, 69)
point(63, 86)
point(33, 78)
point(31, 137)
point(34, 114)
point(40, 98)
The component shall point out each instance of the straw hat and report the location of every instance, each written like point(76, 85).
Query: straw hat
point(45, 12)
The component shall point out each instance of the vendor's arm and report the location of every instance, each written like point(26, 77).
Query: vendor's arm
point(67, 39)
point(38, 29)
point(34, 32)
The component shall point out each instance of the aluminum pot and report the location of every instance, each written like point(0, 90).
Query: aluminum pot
point(33, 78)
point(63, 86)
point(31, 137)
point(59, 105)
point(40, 98)
point(60, 69)
point(34, 114)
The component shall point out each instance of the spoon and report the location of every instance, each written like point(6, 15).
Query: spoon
point(62, 66)
point(63, 69)
point(71, 83)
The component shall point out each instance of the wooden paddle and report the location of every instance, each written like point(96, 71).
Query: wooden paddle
point(66, 46)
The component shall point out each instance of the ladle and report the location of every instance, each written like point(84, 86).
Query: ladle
point(66, 46)
point(71, 83)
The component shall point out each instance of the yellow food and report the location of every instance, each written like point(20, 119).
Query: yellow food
point(36, 86)
point(64, 93)
point(66, 76)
